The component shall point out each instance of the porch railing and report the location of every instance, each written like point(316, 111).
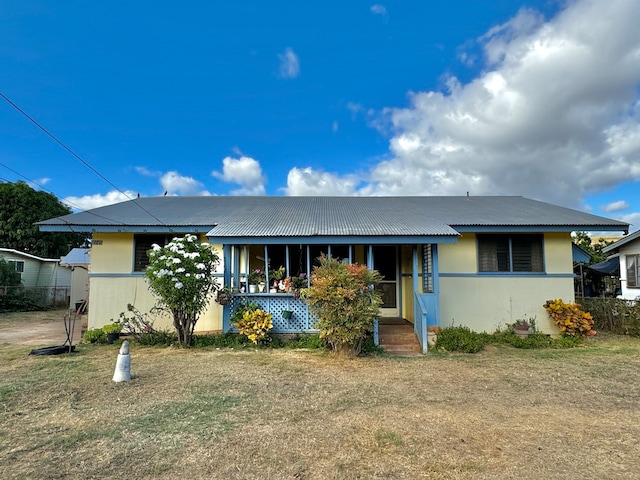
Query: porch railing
point(420, 321)
point(277, 303)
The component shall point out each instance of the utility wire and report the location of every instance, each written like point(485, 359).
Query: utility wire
point(76, 156)
point(71, 204)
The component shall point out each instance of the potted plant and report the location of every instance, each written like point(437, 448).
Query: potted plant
point(223, 297)
point(256, 276)
point(298, 283)
point(112, 331)
point(523, 326)
point(275, 278)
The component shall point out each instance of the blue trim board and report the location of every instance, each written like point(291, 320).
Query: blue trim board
point(533, 228)
point(133, 275)
point(508, 274)
point(336, 240)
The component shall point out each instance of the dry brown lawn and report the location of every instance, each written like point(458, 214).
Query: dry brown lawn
point(502, 413)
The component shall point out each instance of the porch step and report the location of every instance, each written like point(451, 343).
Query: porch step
point(398, 338)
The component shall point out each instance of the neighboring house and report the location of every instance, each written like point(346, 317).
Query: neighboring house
point(36, 271)
point(475, 261)
point(78, 261)
point(628, 250)
point(42, 274)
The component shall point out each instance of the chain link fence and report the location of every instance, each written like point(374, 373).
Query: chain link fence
point(25, 298)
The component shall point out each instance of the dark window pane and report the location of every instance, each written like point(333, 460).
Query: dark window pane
point(143, 244)
point(510, 253)
point(493, 253)
point(527, 253)
point(632, 270)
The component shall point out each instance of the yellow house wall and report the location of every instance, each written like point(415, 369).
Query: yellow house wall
point(486, 302)
point(114, 285)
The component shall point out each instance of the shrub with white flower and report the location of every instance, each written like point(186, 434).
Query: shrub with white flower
point(180, 274)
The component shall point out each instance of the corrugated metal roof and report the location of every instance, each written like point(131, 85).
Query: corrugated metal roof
point(332, 216)
point(623, 241)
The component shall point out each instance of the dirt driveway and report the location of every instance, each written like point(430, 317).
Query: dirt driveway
point(38, 328)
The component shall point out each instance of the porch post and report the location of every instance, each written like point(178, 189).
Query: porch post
point(419, 327)
point(226, 264)
point(376, 339)
point(436, 284)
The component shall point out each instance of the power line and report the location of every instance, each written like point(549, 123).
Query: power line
point(71, 204)
point(76, 156)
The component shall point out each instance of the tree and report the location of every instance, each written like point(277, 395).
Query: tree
point(20, 208)
point(180, 274)
point(344, 298)
point(8, 276)
point(584, 241)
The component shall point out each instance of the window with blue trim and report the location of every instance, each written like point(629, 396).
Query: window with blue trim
point(510, 253)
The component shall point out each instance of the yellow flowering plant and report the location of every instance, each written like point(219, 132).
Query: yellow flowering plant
point(570, 318)
point(254, 324)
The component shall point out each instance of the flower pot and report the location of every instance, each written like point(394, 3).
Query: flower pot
point(287, 314)
point(261, 286)
point(522, 333)
point(253, 288)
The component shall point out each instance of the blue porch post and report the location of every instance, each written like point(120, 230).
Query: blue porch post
point(376, 340)
point(436, 285)
point(226, 265)
point(419, 320)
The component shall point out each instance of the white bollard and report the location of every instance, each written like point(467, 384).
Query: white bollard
point(123, 365)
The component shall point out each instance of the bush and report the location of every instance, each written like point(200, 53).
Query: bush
point(95, 335)
point(614, 315)
point(141, 327)
point(254, 324)
point(344, 298)
point(570, 318)
point(461, 339)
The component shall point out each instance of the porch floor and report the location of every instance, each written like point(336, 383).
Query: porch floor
point(397, 337)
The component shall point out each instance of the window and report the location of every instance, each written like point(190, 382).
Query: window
point(633, 271)
point(510, 253)
point(17, 265)
point(142, 244)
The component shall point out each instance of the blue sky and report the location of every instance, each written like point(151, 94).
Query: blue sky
point(537, 98)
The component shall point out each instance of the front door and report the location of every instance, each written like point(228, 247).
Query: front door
point(385, 261)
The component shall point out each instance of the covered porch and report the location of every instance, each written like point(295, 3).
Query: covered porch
point(409, 290)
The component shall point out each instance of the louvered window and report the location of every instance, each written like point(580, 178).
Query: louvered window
point(633, 271)
point(510, 253)
point(143, 242)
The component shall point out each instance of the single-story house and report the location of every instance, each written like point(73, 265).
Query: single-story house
point(475, 261)
point(37, 271)
point(628, 252)
point(78, 261)
point(42, 274)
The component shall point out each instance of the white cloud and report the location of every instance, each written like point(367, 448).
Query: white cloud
point(615, 206)
point(146, 172)
point(88, 202)
point(632, 219)
point(553, 115)
point(378, 9)
point(246, 172)
point(335, 127)
point(175, 184)
point(38, 183)
point(289, 64)
point(310, 182)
